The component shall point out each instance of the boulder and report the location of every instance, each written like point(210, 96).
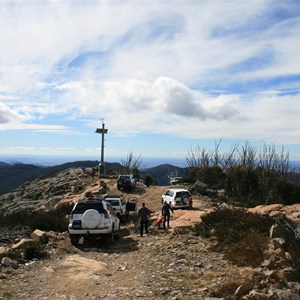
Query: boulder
point(281, 231)
point(39, 236)
point(25, 244)
point(278, 243)
point(3, 252)
point(9, 263)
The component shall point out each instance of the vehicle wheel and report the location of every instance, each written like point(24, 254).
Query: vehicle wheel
point(117, 233)
point(74, 239)
point(185, 201)
point(111, 236)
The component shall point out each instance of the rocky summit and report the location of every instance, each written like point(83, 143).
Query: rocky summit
point(181, 262)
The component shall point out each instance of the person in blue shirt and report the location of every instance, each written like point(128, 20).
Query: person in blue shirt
point(165, 212)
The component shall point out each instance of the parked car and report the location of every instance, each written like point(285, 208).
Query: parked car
point(118, 204)
point(175, 180)
point(126, 182)
point(177, 197)
point(93, 218)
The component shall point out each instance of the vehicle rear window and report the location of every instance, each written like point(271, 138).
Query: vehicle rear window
point(81, 207)
point(183, 195)
point(113, 202)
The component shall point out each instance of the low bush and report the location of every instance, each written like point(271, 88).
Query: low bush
point(244, 236)
point(55, 220)
point(249, 251)
point(241, 235)
point(230, 225)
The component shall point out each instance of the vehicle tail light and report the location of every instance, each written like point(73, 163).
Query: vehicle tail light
point(77, 224)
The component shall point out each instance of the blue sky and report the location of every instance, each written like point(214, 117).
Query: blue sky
point(166, 76)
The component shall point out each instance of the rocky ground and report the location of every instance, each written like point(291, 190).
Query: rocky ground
point(172, 264)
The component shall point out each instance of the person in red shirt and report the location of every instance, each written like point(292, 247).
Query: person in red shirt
point(190, 203)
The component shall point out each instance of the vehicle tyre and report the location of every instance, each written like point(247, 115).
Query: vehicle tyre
point(91, 219)
point(185, 201)
point(110, 237)
point(117, 234)
point(74, 239)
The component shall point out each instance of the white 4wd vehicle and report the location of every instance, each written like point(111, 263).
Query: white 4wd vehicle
point(126, 182)
point(118, 204)
point(177, 197)
point(93, 218)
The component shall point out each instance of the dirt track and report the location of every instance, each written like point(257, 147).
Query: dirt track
point(173, 264)
point(131, 268)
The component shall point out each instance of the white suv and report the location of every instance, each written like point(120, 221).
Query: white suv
point(126, 182)
point(177, 197)
point(118, 204)
point(93, 218)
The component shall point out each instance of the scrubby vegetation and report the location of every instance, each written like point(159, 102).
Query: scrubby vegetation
point(44, 220)
point(248, 176)
point(241, 235)
point(244, 239)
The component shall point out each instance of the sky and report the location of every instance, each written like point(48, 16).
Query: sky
point(164, 77)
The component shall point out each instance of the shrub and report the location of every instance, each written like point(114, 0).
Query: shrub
point(249, 251)
point(241, 184)
point(244, 236)
point(55, 220)
point(213, 176)
point(250, 177)
point(230, 225)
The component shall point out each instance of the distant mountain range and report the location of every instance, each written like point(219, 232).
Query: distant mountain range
point(14, 175)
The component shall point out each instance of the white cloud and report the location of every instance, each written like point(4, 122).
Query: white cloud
point(150, 67)
point(8, 116)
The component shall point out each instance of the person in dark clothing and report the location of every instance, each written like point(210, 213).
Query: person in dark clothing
point(165, 212)
point(143, 215)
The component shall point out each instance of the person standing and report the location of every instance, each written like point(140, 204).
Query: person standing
point(165, 212)
point(143, 216)
point(190, 203)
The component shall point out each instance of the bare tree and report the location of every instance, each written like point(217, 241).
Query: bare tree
point(131, 164)
point(172, 174)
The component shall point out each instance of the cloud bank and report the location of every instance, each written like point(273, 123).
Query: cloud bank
point(204, 69)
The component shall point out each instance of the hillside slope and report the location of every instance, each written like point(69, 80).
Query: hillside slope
point(12, 176)
point(167, 264)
